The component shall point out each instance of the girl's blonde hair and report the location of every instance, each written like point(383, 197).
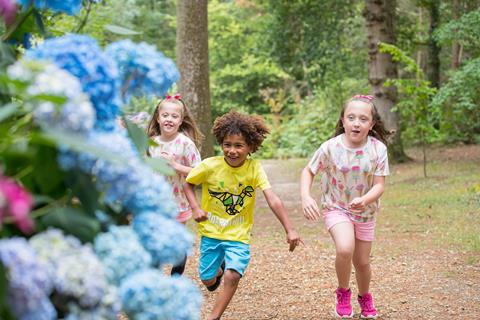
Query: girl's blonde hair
point(187, 127)
point(378, 131)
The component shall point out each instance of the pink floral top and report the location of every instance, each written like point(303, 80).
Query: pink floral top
point(184, 152)
point(348, 173)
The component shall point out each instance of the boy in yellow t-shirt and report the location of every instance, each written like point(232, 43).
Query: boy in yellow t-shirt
point(225, 217)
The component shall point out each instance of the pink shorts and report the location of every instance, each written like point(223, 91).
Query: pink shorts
point(364, 231)
point(183, 216)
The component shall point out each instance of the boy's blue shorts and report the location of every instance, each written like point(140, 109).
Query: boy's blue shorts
point(213, 252)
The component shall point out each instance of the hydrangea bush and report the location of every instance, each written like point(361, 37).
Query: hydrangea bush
point(103, 219)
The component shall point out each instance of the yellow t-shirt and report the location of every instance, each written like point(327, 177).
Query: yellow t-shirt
point(228, 197)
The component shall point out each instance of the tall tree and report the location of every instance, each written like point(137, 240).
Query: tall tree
point(456, 47)
point(192, 61)
point(433, 68)
point(380, 17)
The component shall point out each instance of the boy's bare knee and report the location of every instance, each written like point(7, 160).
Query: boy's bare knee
point(232, 277)
point(208, 283)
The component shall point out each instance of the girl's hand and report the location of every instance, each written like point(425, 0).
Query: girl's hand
point(310, 208)
point(357, 205)
point(199, 215)
point(167, 156)
point(293, 239)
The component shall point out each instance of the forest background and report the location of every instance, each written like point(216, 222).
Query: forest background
point(296, 62)
point(293, 62)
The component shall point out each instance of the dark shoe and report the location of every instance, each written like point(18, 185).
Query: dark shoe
point(179, 268)
point(214, 286)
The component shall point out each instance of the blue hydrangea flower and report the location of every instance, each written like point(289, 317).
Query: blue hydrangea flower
point(108, 308)
point(144, 71)
point(83, 58)
point(70, 7)
point(78, 273)
point(132, 183)
point(151, 295)
point(75, 115)
point(29, 281)
point(167, 240)
point(121, 253)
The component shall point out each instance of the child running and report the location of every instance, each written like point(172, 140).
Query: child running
point(176, 135)
point(353, 165)
point(225, 217)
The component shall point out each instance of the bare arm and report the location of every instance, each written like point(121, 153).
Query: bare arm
point(178, 167)
point(309, 205)
point(358, 204)
point(274, 202)
point(197, 212)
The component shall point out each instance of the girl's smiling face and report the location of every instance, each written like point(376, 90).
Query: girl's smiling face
point(169, 118)
point(235, 149)
point(357, 121)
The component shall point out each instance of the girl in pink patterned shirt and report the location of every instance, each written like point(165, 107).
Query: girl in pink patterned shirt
point(353, 165)
point(177, 137)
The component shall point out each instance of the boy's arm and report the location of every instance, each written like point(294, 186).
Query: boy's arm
point(359, 204)
point(274, 202)
point(197, 212)
point(309, 205)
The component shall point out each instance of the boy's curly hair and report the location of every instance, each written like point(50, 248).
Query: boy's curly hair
point(252, 128)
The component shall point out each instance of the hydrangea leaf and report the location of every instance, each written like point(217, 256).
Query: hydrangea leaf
point(73, 221)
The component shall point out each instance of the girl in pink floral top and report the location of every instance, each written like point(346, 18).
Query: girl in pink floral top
point(177, 137)
point(352, 165)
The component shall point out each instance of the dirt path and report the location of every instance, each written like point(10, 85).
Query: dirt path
point(413, 278)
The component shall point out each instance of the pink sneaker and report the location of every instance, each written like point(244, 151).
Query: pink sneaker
point(367, 307)
point(343, 308)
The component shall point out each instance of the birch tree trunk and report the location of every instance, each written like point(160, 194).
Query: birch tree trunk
point(192, 61)
point(380, 16)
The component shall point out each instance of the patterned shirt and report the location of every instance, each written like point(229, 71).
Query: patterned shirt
point(228, 197)
point(348, 173)
point(184, 152)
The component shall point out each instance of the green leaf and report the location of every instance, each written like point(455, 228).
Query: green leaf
point(59, 100)
point(84, 188)
point(7, 111)
point(138, 136)
point(73, 221)
point(39, 199)
point(56, 137)
point(46, 173)
point(39, 22)
point(5, 313)
point(121, 30)
point(7, 56)
point(160, 166)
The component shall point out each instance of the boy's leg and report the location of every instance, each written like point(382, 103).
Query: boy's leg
point(230, 285)
point(211, 258)
point(237, 257)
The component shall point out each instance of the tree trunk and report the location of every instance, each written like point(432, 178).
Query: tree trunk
point(456, 48)
point(192, 61)
point(433, 70)
point(379, 16)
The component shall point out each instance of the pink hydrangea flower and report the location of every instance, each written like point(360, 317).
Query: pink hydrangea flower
point(16, 203)
point(8, 10)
